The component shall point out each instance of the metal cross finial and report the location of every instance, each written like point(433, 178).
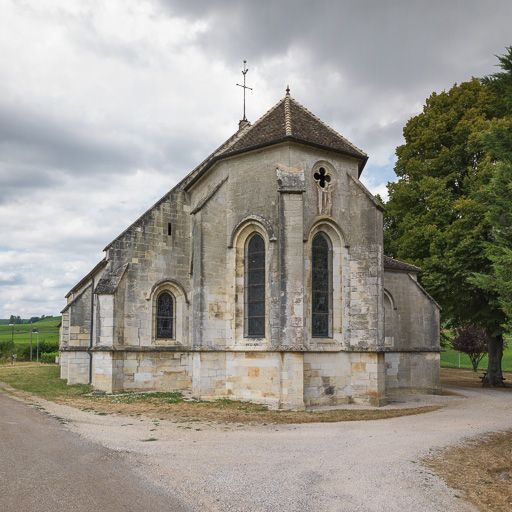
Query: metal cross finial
point(287, 90)
point(244, 72)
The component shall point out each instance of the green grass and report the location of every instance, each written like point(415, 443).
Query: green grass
point(450, 359)
point(41, 380)
point(48, 336)
point(172, 397)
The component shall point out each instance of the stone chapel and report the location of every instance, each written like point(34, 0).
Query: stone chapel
point(260, 276)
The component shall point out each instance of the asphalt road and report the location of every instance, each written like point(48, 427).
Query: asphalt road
point(45, 467)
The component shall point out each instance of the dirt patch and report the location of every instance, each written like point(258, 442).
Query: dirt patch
point(455, 377)
point(228, 411)
point(481, 469)
point(172, 407)
point(44, 381)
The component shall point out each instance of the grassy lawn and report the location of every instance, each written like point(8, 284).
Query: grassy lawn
point(43, 381)
point(467, 378)
point(450, 359)
point(47, 336)
point(47, 327)
point(40, 380)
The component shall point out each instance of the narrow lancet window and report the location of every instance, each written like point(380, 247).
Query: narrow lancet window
point(255, 288)
point(321, 286)
point(165, 316)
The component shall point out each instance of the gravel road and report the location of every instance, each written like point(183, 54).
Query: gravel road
point(352, 466)
point(45, 467)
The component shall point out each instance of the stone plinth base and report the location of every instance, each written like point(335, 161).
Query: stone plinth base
point(281, 380)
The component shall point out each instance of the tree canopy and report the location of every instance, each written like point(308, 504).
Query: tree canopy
point(449, 212)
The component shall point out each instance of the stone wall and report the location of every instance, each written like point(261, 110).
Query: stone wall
point(285, 380)
point(412, 371)
point(412, 335)
point(63, 364)
point(224, 199)
point(209, 375)
point(344, 377)
point(79, 326)
point(415, 314)
point(201, 261)
point(74, 367)
point(142, 371)
point(272, 378)
point(153, 256)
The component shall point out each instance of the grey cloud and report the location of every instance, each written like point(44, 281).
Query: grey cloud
point(388, 44)
point(69, 181)
point(38, 151)
point(40, 136)
point(11, 279)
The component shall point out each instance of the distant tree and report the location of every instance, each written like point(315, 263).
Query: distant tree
point(6, 349)
point(471, 340)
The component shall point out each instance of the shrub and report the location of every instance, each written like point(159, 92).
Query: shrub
point(472, 340)
point(6, 349)
point(23, 351)
point(48, 357)
point(47, 346)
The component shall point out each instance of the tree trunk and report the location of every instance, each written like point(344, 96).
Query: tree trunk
point(494, 376)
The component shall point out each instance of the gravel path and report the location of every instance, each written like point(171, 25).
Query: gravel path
point(352, 466)
point(46, 468)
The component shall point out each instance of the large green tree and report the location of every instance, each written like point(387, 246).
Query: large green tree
point(497, 196)
point(437, 215)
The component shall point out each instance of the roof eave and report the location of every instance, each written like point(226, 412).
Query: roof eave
point(362, 164)
point(402, 270)
point(288, 138)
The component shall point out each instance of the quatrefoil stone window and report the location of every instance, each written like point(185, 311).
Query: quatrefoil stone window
point(322, 177)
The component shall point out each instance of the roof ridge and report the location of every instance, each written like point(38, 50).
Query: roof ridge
point(287, 115)
point(403, 264)
point(353, 146)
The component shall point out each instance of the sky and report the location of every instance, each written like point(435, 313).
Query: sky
point(105, 106)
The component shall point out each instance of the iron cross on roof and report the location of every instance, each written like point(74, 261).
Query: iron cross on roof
point(244, 87)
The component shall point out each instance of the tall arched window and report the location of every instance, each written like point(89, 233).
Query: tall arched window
point(255, 287)
point(165, 316)
point(388, 319)
point(321, 286)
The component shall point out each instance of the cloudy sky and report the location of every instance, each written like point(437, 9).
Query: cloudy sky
point(104, 105)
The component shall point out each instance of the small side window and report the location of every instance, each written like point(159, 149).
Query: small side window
point(165, 316)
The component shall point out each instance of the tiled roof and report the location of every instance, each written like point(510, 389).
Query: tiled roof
point(289, 120)
point(270, 127)
point(392, 264)
point(110, 281)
